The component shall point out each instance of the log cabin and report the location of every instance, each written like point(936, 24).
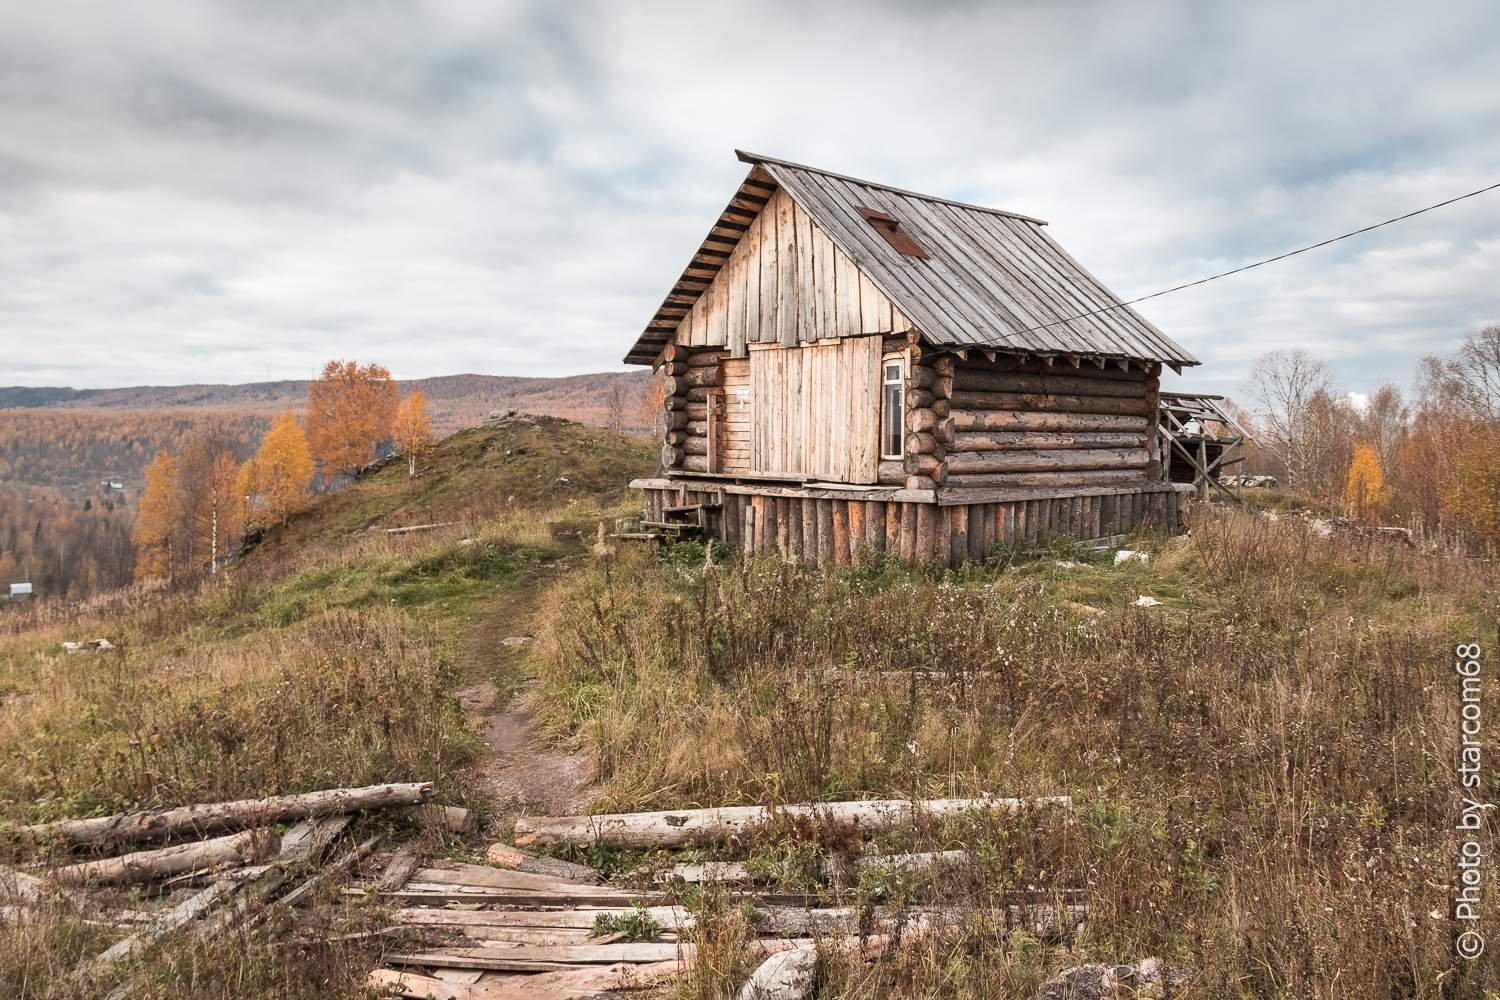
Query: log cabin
point(850, 369)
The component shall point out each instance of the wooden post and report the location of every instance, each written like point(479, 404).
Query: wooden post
point(856, 515)
point(840, 532)
point(927, 532)
point(810, 531)
point(749, 533)
point(784, 526)
point(825, 532)
point(909, 521)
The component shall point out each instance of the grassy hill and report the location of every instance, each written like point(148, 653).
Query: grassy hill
point(454, 401)
point(1260, 763)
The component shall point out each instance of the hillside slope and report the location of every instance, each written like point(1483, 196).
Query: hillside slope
point(454, 401)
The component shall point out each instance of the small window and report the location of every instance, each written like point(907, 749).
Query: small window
point(892, 408)
point(889, 227)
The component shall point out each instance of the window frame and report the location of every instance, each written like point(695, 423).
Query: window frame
point(899, 359)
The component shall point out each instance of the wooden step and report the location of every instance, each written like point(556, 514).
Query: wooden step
point(672, 525)
point(686, 508)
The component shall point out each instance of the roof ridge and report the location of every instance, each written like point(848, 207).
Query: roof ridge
point(747, 157)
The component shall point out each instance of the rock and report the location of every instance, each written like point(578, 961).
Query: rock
point(563, 481)
point(1150, 977)
point(1129, 555)
point(95, 646)
point(516, 640)
point(1145, 601)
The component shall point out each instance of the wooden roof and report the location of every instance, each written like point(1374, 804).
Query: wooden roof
point(990, 280)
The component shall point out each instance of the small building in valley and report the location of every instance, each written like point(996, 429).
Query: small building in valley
point(851, 368)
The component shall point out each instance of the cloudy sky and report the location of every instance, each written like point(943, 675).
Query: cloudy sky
point(233, 192)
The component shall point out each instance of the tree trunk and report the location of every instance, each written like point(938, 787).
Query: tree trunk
point(148, 866)
point(134, 827)
point(678, 828)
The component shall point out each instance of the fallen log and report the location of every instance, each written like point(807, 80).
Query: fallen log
point(678, 828)
point(516, 859)
point(419, 527)
point(402, 864)
point(148, 866)
point(133, 827)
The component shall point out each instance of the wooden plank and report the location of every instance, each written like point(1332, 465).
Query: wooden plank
point(734, 279)
point(787, 309)
point(846, 293)
point(807, 294)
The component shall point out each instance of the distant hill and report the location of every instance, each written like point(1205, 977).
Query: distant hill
point(605, 399)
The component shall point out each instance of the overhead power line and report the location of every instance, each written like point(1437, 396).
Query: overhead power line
point(1268, 260)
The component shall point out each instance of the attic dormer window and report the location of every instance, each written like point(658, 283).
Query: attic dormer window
point(890, 228)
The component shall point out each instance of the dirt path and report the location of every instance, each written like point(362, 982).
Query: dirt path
point(517, 769)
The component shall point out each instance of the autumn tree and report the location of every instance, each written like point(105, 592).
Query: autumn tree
point(412, 434)
point(350, 411)
point(275, 481)
point(1364, 487)
point(158, 522)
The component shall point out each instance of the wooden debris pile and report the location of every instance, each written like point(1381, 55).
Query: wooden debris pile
point(222, 864)
point(527, 925)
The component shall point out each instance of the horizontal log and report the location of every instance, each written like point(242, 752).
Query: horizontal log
point(919, 399)
point(693, 378)
point(891, 473)
point(675, 438)
point(516, 859)
point(944, 364)
point(695, 411)
point(1061, 480)
point(148, 866)
point(1010, 420)
point(672, 368)
point(150, 824)
point(992, 381)
point(674, 352)
point(706, 359)
point(676, 419)
point(1050, 403)
point(922, 377)
point(671, 455)
point(695, 463)
point(1047, 460)
point(1020, 440)
point(672, 403)
point(921, 444)
point(920, 420)
point(923, 465)
point(695, 445)
point(679, 828)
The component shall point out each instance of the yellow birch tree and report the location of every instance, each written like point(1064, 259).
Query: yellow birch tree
point(412, 434)
point(158, 520)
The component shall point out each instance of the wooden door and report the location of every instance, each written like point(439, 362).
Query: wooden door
point(817, 410)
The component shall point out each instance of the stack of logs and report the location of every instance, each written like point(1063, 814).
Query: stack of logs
point(687, 377)
point(929, 421)
point(1035, 425)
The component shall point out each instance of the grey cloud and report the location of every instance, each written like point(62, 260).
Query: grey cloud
point(238, 191)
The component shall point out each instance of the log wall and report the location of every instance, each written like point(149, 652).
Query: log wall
point(1029, 424)
point(829, 528)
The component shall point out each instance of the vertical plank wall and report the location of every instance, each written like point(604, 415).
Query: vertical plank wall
point(817, 410)
point(838, 531)
point(734, 442)
point(786, 283)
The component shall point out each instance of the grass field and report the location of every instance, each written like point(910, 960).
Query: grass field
point(1262, 765)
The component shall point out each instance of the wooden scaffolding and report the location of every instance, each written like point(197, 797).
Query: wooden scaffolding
point(1201, 438)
